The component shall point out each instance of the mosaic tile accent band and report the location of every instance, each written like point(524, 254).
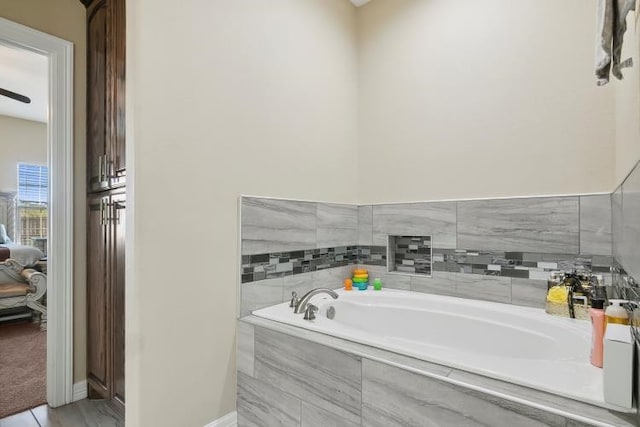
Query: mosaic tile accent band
point(280, 264)
point(522, 265)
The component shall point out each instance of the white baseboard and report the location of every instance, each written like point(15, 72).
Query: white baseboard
point(79, 391)
point(229, 420)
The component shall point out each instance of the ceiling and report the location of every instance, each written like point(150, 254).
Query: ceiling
point(359, 3)
point(24, 72)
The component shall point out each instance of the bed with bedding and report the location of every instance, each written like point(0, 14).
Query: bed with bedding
point(28, 256)
point(25, 255)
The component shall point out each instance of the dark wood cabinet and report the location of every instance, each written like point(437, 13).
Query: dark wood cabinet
point(116, 268)
point(106, 153)
point(105, 294)
point(106, 200)
point(97, 297)
point(97, 18)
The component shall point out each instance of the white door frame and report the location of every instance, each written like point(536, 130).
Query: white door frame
point(60, 242)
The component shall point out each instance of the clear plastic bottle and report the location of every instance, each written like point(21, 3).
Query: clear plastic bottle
point(616, 313)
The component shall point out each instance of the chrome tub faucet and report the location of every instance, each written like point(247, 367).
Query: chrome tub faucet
point(301, 305)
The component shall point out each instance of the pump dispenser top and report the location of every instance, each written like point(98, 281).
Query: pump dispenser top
point(616, 313)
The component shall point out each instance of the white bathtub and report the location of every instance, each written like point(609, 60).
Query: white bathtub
point(520, 345)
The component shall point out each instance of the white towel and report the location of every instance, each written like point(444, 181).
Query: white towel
point(611, 25)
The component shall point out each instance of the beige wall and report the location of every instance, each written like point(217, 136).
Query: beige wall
point(66, 19)
point(23, 141)
point(225, 98)
point(481, 99)
point(628, 105)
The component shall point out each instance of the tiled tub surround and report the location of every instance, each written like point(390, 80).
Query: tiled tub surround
point(626, 223)
point(294, 377)
point(292, 245)
point(625, 202)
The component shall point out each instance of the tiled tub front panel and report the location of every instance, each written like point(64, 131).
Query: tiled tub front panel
point(284, 380)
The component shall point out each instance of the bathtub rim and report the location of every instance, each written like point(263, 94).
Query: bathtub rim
point(534, 398)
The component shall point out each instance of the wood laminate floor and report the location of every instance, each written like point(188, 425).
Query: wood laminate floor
point(84, 413)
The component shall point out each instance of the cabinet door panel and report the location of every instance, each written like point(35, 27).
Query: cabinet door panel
point(118, 284)
point(118, 156)
point(98, 357)
point(97, 54)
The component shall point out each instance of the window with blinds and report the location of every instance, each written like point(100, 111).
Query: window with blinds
point(33, 212)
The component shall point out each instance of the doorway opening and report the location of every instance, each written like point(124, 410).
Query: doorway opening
point(42, 208)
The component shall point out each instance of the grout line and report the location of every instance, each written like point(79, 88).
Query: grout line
point(626, 177)
point(361, 388)
point(34, 417)
point(316, 225)
point(457, 237)
point(612, 227)
point(579, 225)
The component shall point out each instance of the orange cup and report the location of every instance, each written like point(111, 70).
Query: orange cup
point(348, 284)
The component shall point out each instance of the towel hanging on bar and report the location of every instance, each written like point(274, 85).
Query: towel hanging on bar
point(611, 24)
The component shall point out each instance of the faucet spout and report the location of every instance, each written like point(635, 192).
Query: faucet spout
point(302, 304)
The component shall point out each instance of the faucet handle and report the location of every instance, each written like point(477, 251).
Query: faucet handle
point(294, 299)
point(310, 312)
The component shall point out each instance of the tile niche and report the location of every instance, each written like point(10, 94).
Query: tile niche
point(409, 255)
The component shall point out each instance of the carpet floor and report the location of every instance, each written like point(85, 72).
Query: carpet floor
point(23, 357)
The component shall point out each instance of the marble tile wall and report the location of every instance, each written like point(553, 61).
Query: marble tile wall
point(414, 219)
point(543, 224)
point(263, 293)
point(301, 381)
point(628, 225)
point(625, 203)
point(271, 225)
point(524, 292)
point(595, 225)
point(549, 225)
point(296, 246)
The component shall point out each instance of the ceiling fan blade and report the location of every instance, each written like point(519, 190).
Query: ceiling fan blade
point(15, 96)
